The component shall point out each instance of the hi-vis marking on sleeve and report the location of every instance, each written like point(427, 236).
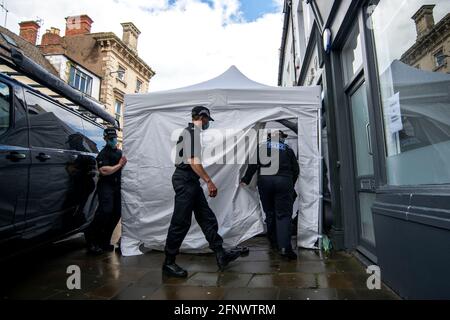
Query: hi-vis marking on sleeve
point(276, 145)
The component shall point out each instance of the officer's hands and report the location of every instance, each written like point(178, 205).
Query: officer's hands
point(243, 184)
point(212, 189)
point(123, 161)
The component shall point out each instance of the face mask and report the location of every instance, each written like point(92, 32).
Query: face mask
point(205, 126)
point(112, 142)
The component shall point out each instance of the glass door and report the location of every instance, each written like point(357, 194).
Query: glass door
point(363, 174)
point(363, 159)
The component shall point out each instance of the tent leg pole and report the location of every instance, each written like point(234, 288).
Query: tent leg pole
point(319, 128)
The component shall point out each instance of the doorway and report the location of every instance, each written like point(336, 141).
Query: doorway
point(361, 156)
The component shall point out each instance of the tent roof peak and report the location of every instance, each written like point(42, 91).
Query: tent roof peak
point(232, 78)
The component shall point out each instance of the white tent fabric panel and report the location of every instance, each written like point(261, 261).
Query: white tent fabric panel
point(152, 123)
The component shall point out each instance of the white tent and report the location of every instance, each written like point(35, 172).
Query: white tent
point(152, 123)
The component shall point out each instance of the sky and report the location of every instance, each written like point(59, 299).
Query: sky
point(183, 41)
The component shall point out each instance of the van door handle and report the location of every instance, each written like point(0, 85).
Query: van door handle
point(16, 156)
point(43, 157)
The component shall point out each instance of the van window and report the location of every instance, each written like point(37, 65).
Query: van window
point(51, 126)
point(5, 108)
point(94, 135)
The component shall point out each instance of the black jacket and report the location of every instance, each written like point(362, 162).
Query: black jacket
point(110, 157)
point(288, 164)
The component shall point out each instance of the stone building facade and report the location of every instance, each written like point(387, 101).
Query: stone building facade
point(431, 52)
point(102, 65)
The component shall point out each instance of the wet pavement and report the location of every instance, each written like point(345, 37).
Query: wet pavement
point(262, 275)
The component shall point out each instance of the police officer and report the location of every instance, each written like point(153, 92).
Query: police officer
point(277, 191)
point(189, 197)
point(110, 162)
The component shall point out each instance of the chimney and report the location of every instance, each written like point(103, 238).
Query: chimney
point(51, 37)
point(130, 35)
point(424, 20)
point(78, 25)
point(29, 31)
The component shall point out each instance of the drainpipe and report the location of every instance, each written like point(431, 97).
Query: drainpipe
point(293, 41)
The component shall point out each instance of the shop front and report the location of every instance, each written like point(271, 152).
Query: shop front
point(384, 67)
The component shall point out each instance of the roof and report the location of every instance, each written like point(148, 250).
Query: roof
point(30, 50)
point(231, 89)
point(233, 78)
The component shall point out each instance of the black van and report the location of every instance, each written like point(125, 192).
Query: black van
point(48, 170)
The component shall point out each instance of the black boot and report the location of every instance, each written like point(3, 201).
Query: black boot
point(225, 257)
point(171, 269)
point(244, 251)
point(95, 249)
point(288, 254)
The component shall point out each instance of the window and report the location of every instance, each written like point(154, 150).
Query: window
point(5, 108)
point(352, 55)
point(52, 126)
point(415, 103)
point(80, 80)
point(121, 73)
point(94, 136)
point(118, 109)
point(439, 58)
point(9, 40)
point(138, 86)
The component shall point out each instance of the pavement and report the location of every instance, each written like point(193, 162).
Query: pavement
point(262, 275)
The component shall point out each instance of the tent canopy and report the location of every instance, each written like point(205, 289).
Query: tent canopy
point(152, 123)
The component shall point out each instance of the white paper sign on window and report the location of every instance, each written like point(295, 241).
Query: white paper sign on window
point(393, 113)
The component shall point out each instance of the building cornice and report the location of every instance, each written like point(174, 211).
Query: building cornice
point(440, 31)
point(110, 40)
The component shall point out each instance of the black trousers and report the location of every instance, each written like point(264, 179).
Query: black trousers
point(107, 216)
point(189, 197)
point(276, 193)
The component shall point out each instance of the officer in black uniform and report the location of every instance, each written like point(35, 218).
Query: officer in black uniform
point(189, 197)
point(277, 191)
point(110, 162)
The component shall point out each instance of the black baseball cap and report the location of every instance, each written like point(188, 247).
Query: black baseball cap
point(110, 133)
point(201, 111)
point(280, 133)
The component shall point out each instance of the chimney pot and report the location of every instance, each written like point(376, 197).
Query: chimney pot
point(51, 37)
point(29, 31)
point(78, 25)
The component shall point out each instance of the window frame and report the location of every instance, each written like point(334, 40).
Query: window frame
point(121, 75)
point(118, 114)
point(88, 80)
point(139, 87)
point(439, 53)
